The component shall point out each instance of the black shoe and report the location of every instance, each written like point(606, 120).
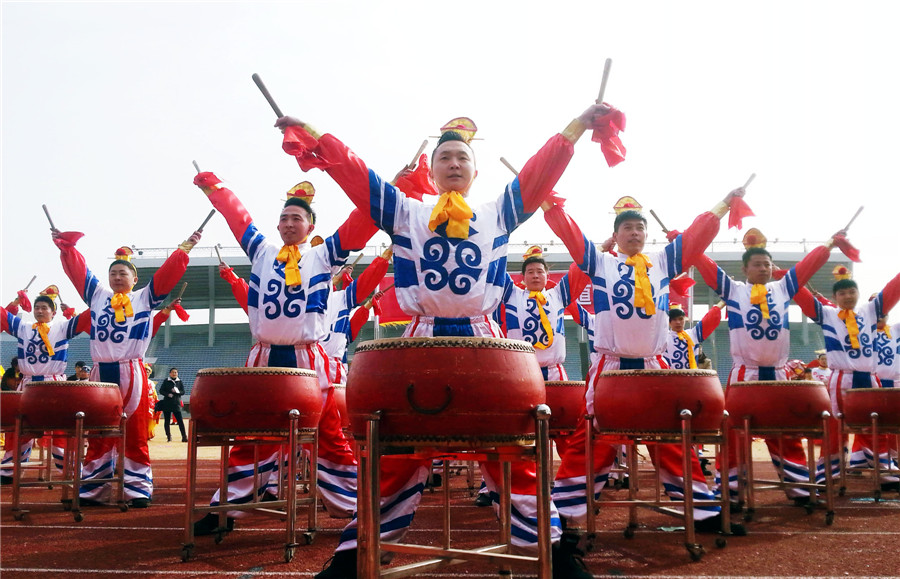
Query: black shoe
point(483, 500)
point(436, 481)
point(209, 525)
point(168, 439)
point(621, 483)
point(91, 503)
point(704, 466)
point(139, 503)
point(6, 480)
point(806, 501)
point(714, 525)
point(736, 507)
point(568, 559)
point(343, 566)
point(890, 486)
point(183, 439)
point(268, 498)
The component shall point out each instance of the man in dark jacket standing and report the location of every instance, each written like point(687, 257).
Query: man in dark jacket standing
point(170, 392)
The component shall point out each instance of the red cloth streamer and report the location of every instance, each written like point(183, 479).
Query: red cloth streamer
point(556, 199)
point(206, 180)
point(24, 301)
point(346, 279)
point(739, 210)
point(846, 248)
point(680, 288)
point(68, 313)
point(181, 313)
point(416, 183)
point(606, 132)
point(376, 305)
point(13, 308)
point(67, 239)
point(670, 236)
point(300, 145)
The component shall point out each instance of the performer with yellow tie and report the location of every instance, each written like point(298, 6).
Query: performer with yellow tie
point(759, 332)
point(683, 345)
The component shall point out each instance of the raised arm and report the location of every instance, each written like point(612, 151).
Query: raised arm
point(80, 324)
point(890, 295)
point(368, 280)
point(231, 208)
point(239, 288)
point(74, 265)
point(809, 305)
point(714, 276)
point(171, 270)
point(708, 324)
point(358, 320)
point(8, 322)
point(352, 235)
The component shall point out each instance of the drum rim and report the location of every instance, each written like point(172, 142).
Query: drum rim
point(857, 390)
point(256, 371)
point(804, 383)
point(444, 342)
point(73, 384)
point(568, 383)
point(659, 372)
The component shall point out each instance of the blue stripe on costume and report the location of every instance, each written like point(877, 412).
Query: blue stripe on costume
point(90, 285)
point(404, 272)
point(317, 301)
point(282, 357)
point(251, 241)
point(446, 327)
point(382, 203)
point(13, 323)
point(792, 286)
point(673, 258)
point(496, 274)
point(155, 299)
point(109, 372)
point(337, 255)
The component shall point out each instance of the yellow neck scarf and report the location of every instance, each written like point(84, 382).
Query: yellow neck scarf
point(849, 319)
point(44, 329)
point(290, 256)
point(545, 322)
point(887, 332)
point(452, 209)
point(121, 304)
point(758, 296)
point(692, 362)
point(643, 291)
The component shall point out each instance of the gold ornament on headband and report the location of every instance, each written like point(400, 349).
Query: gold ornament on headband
point(533, 251)
point(675, 306)
point(124, 253)
point(51, 291)
point(316, 241)
point(754, 238)
point(627, 204)
point(462, 125)
point(303, 191)
point(841, 272)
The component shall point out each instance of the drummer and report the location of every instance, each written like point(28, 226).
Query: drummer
point(631, 331)
point(449, 264)
point(120, 335)
point(286, 303)
point(683, 346)
point(43, 354)
point(850, 339)
point(760, 339)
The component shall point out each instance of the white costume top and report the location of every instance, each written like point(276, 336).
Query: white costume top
point(887, 351)
point(523, 321)
point(677, 349)
point(34, 360)
point(841, 356)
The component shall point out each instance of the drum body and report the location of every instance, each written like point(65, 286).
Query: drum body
point(340, 399)
point(566, 402)
point(445, 389)
point(652, 400)
point(10, 402)
point(860, 403)
point(778, 404)
point(51, 405)
point(256, 400)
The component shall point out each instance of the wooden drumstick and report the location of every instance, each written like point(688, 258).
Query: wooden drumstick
point(219, 255)
point(205, 221)
point(25, 289)
point(265, 92)
point(412, 164)
point(606, 67)
point(658, 220)
point(337, 276)
point(50, 219)
point(196, 166)
point(509, 165)
point(749, 180)
point(855, 215)
point(181, 291)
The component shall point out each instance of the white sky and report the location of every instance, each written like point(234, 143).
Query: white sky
point(104, 105)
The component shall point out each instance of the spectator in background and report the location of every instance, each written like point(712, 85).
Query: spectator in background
point(11, 377)
point(170, 393)
point(78, 366)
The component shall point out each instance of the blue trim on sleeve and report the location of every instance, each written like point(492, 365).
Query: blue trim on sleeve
point(404, 272)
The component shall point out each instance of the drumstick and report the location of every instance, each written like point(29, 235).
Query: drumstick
point(658, 220)
point(205, 221)
point(34, 277)
point(337, 276)
point(216, 247)
point(855, 215)
point(181, 291)
point(412, 164)
point(606, 68)
point(196, 166)
point(47, 213)
point(508, 165)
point(749, 180)
point(265, 92)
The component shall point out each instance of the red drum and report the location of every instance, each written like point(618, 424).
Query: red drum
point(10, 401)
point(50, 405)
point(254, 399)
point(778, 403)
point(652, 400)
point(860, 403)
point(446, 389)
point(566, 402)
point(340, 399)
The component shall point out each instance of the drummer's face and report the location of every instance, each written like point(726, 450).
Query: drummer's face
point(846, 298)
point(758, 269)
point(43, 312)
point(631, 236)
point(677, 324)
point(121, 278)
point(535, 277)
point(294, 225)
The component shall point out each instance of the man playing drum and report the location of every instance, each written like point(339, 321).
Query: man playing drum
point(286, 302)
point(759, 332)
point(449, 272)
point(630, 295)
